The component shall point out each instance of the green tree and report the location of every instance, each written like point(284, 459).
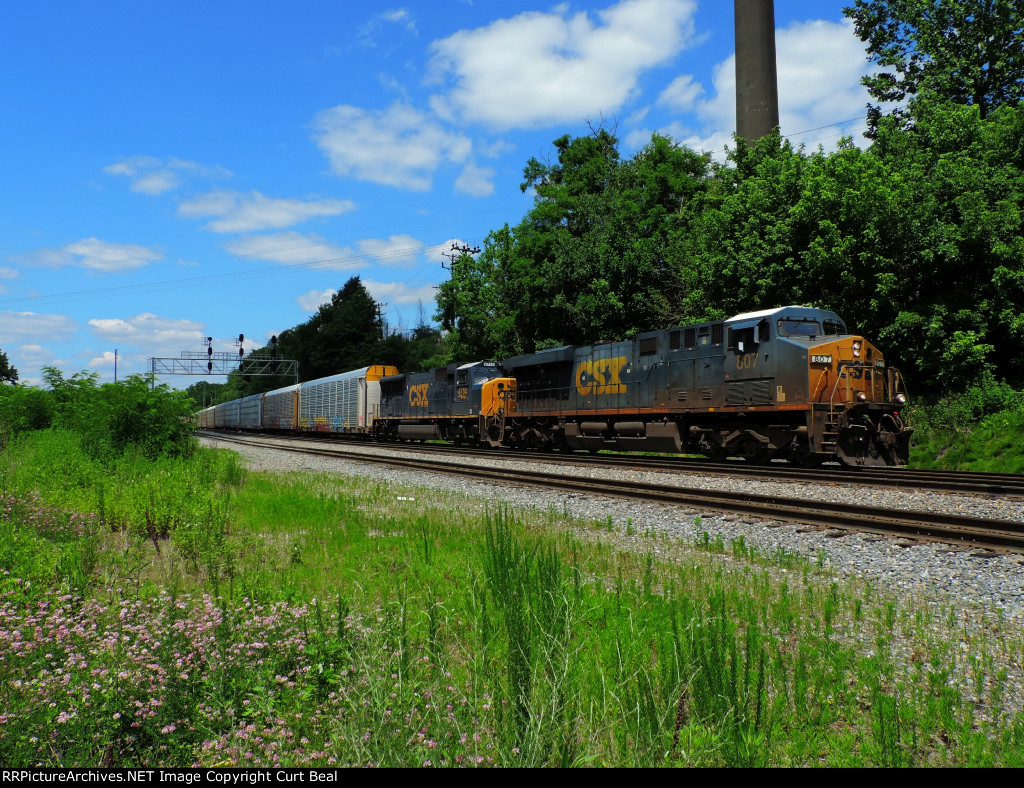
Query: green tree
point(969, 52)
point(205, 393)
point(589, 260)
point(958, 289)
point(8, 374)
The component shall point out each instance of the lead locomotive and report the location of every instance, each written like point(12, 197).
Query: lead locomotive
point(790, 382)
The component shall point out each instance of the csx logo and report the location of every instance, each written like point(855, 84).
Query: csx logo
point(418, 395)
point(600, 377)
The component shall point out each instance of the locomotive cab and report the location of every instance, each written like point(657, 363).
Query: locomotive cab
point(473, 395)
point(856, 400)
point(483, 391)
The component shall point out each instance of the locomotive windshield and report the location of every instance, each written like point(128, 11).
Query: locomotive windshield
point(799, 328)
point(805, 327)
point(478, 373)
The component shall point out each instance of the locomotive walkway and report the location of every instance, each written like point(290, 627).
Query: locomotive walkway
point(840, 518)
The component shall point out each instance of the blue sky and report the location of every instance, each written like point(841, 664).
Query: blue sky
point(172, 171)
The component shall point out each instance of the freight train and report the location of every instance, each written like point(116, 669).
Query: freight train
point(790, 382)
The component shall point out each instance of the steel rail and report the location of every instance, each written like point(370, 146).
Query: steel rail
point(975, 532)
point(1002, 485)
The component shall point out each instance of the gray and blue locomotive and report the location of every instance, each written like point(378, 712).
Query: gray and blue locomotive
point(790, 382)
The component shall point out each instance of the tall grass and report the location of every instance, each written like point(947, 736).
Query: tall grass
point(188, 612)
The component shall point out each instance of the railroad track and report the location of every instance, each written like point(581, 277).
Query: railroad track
point(912, 525)
point(1003, 485)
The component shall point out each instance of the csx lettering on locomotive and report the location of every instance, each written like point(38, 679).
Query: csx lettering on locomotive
point(418, 395)
point(600, 376)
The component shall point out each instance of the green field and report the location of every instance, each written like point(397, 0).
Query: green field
point(188, 612)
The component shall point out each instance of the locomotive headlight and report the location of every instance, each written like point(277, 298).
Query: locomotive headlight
point(901, 399)
point(856, 348)
point(862, 397)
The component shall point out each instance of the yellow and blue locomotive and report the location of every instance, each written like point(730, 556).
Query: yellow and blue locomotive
point(790, 382)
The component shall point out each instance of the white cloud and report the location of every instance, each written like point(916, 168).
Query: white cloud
point(243, 213)
point(396, 16)
point(638, 138)
point(475, 181)
point(293, 248)
point(107, 360)
point(151, 332)
point(32, 328)
point(638, 117)
point(539, 69)
point(148, 335)
point(820, 65)
point(819, 77)
point(35, 356)
point(132, 165)
point(681, 94)
point(94, 254)
point(30, 358)
point(7, 273)
point(107, 256)
point(399, 146)
point(400, 292)
point(441, 251)
point(156, 182)
point(150, 175)
point(492, 150)
point(312, 300)
point(394, 250)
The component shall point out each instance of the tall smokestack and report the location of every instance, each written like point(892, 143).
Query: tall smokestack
point(757, 82)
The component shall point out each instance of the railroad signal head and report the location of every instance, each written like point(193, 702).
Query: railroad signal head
point(209, 351)
point(209, 366)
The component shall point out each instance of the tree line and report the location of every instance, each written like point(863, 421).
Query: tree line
point(345, 333)
point(917, 240)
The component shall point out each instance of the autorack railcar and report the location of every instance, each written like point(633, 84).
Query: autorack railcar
point(345, 403)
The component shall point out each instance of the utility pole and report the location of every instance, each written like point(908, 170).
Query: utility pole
point(456, 252)
point(757, 81)
point(115, 365)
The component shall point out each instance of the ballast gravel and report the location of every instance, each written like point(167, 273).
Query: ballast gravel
point(987, 583)
point(982, 592)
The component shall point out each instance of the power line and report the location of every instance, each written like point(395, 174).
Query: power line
point(273, 270)
point(819, 128)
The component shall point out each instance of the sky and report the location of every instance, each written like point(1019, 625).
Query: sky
point(176, 171)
